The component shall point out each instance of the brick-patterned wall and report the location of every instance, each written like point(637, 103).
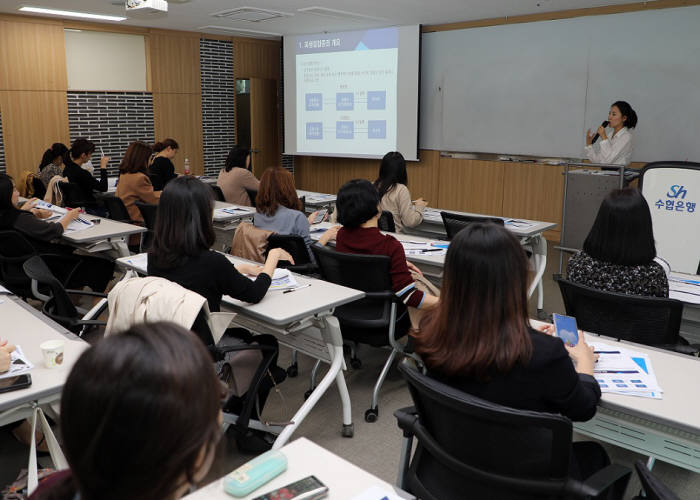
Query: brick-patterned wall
point(111, 120)
point(287, 160)
point(218, 105)
point(3, 168)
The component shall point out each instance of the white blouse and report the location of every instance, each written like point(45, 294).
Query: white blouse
point(616, 150)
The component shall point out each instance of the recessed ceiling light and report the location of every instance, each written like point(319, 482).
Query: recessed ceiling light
point(69, 13)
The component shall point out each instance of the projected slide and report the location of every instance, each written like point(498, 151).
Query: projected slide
point(346, 86)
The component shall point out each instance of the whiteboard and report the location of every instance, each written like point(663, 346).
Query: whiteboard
point(673, 195)
point(535, 88)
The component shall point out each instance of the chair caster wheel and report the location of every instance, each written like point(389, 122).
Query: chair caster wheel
point(348, 430)
point(293, 370)
point(355, 363)
point(371, 415)
point(307, 394)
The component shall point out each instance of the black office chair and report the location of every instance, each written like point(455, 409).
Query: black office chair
point(148, 212)
point(218, 193)
point(386, 222)
point(252, 194)
point(377, 320)
point(59, 306)
point(653, 488)
point(15, 250)
point(296, 247)
point(73, 196)
point(117, 210)
point(454, 223)
point(39, 188)
point(471, 448)
point(653, 321)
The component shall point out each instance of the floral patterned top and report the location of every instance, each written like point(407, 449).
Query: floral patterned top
point(648, 280)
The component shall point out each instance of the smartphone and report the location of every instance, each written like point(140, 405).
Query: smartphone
point(15, 383)
point(321, 215)
point(309, 488)
point(566, 329)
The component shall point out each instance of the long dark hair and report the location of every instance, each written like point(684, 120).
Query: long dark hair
point(622, 232)
point(57, 150)
point(481, 323)
point(276, 189)
point(184, 222)
point(392, 171)
point(80, 146)
point(627, 111)
point(137, 410)
point(7, 187)
point(237, 158)
point(136, 158)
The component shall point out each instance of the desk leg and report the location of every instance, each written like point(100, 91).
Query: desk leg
point(331, 334)
point(539, 247)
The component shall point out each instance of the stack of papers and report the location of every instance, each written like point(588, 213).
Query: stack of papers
point(19, 364)
point(77, 225)
point(282, 279)
point(685, 287)
point(432, 215)
point(320, 198)
point(230, 212)
point(430, 248)
point(623, 371)
point(520, 224)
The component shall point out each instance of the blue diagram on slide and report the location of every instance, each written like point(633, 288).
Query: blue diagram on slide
point(346, 89)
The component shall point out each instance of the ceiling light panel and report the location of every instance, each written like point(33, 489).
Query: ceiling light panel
point(337, 14)
point(70, 13)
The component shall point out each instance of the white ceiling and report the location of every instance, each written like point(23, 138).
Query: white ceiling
point(194, 15)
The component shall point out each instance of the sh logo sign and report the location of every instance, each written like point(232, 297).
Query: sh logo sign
point(677, 191)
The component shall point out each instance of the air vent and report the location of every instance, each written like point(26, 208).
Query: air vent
point(337, 14)
point(239, 32)
point(250, 14)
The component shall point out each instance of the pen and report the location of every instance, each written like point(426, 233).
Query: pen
point(297, 288)
point(431, 250)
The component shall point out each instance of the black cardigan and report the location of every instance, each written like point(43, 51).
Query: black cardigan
point(78, 175)
point(161, 172)
point(547, 383)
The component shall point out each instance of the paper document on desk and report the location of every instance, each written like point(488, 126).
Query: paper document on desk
point(139, 262)
point(19, 364)
point(282, 279)
point(77, 225)
point(684, 287)
point(520, 224)
point(623, 371)
point(432, 215)
point(229, 212)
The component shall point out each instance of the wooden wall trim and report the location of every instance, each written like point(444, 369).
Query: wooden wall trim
point(562, 14)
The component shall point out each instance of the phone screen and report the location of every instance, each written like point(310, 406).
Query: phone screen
point(15, 383)
point(296, 490)
point(566, 328)
point(320, 216)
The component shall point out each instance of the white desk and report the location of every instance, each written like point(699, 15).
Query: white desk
point(107, 235)
point(667, 429)
point(302, 320)
point(305, 458)
point(230, 220)
point(28, 328)
point(316, 201)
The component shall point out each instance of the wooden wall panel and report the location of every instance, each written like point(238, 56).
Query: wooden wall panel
point(32, 121)
point(257, 58)
point(326, 175)
point(180, 116)
point(534, 192)
point(32, 56)
point(174, 62)
point(470, 186)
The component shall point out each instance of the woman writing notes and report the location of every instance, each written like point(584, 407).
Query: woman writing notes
point(617, 148)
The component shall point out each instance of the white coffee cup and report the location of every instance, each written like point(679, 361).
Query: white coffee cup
point(53, 353)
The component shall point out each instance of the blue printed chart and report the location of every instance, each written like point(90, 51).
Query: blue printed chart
point(346, 92)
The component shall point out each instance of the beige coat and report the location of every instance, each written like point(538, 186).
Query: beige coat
point(398, 202)
point(234, 184)
point(250, 242)
point(136, 187)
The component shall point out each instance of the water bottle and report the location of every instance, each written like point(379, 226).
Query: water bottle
point(187, 166)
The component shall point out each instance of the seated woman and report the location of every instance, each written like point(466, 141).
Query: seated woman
point(162, 170)
point(75, 160)
point(134, 184)
point(394, 194)
point(52, 162)
point(236, 177)
point(479, 340)
point(279, 208)
point(618, 254)
point(132, 425)
point(181, 249)
point(358, 212)
point(94, 272)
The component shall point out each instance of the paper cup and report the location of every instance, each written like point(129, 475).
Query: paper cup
point(53, 353)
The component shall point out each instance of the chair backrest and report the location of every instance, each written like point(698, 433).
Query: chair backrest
point(302, 199)
point(454, 223)
point(14, 251)
point(218, 193)
point(60, 303)
point(116, 209)
point(386, 222)
point(39, 188)
point(72, 195)
point(293, 244)
point(653, 488)
point(645, 320)
point(498, 452)
point(252, 194)
point(148, 212)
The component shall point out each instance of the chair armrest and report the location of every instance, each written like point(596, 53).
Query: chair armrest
point(692, 350)
point(406, 419)
point(84, 292)
point(614, 475)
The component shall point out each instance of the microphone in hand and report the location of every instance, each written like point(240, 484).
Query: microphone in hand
point(597, 135)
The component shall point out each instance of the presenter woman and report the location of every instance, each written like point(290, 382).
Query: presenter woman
point(616, 149)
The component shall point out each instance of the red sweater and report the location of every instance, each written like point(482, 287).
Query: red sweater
point(370, 241)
